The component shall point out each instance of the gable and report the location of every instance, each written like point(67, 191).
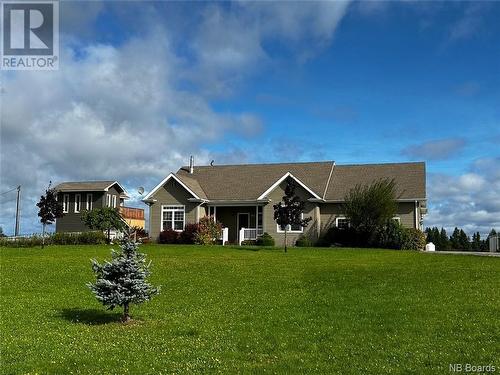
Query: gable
point(278, 191)
point(164, 184)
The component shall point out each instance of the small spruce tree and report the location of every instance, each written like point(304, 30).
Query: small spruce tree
point(123, 280)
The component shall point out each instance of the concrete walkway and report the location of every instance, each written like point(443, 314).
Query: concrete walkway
point(480, 253)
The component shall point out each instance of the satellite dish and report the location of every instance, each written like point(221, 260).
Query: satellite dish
point(140, 190)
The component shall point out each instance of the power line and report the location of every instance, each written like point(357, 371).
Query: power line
point(8, 191)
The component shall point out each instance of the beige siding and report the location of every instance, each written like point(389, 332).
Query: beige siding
point(330, 211)
point(406, 212)
point(310, 211)
point(171, 193)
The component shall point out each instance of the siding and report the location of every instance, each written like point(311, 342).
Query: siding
point(270, 224)
point(71, 221)
point(329, 211)
point(171, 193)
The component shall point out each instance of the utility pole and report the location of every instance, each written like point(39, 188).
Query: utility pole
point(18, 208)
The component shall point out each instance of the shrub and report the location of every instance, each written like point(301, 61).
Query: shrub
point(169, 236)
point(413, 239)
point(265, 240)
point(209, 231)
point(390, 236)
point(339, 237)
point(188, 235)
point(32, 241)
point(303, 241)
point(249, 243)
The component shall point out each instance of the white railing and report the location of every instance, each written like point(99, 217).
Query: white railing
point(249, 234)
point(224, 235)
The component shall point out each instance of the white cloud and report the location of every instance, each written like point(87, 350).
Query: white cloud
point(137, 110)
point(436, 149)
point(470, 200)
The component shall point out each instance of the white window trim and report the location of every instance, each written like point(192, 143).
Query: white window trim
point(289, 230)
point(78, 198)
point(114, 201)
point(65, 203)
point(397, 218)
point(177, 208)
point(88, 204)
point(341, 218)
point(108, 200)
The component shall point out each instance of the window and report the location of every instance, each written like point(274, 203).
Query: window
point(114, 201)
point(78, 203)
point(291, 228)
point(397, 219)
point(66, 203)
point(108, 200)
point(341, 222)
point(260, 229)
point(88, 204)
point(172, 217)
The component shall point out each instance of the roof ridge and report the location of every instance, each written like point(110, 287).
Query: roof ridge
point(329, 179)
point(184, 167)
point(385, 163)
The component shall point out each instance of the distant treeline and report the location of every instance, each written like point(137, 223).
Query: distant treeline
point(459, 240)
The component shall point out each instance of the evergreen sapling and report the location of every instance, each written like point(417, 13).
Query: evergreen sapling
point(123, 280)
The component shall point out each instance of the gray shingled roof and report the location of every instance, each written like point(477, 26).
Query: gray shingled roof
point(83, 186)
point(409, 178)
point(249, 181)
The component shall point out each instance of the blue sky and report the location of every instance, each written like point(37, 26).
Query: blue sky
point(264, 82)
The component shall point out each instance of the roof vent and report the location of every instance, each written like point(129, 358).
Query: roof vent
point(191, 164)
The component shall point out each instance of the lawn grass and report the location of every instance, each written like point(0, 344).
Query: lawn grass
point(235, 310)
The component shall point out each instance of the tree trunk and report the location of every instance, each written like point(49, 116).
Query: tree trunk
point(109, 236)
point(43, 235)
point(285, 239)
point(125, 316)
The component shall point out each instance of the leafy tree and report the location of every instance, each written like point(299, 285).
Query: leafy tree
point(105, 219)
point(49, 209)
point(123, 280)
point(1, 232)
point(289, 211)
point(492, 233)
point(369, 207)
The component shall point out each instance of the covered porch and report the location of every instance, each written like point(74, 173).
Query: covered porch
point(243, 221)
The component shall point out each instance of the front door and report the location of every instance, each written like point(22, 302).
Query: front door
point(243, 221)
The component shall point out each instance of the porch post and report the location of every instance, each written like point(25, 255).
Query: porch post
point(256, 218)
point(215, 213)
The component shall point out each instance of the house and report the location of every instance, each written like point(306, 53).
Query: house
point(88, 195)
point(241, 197)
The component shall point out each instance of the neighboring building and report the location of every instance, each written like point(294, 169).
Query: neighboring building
point(77, 197)
point(242, 196)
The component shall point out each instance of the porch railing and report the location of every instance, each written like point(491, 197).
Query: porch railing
point(249, 234)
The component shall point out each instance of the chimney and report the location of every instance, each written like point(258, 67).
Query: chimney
point(191, 164)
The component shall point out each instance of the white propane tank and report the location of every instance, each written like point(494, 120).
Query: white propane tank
point(430, 247)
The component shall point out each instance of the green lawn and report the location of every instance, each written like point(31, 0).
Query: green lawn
point(236, 310)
